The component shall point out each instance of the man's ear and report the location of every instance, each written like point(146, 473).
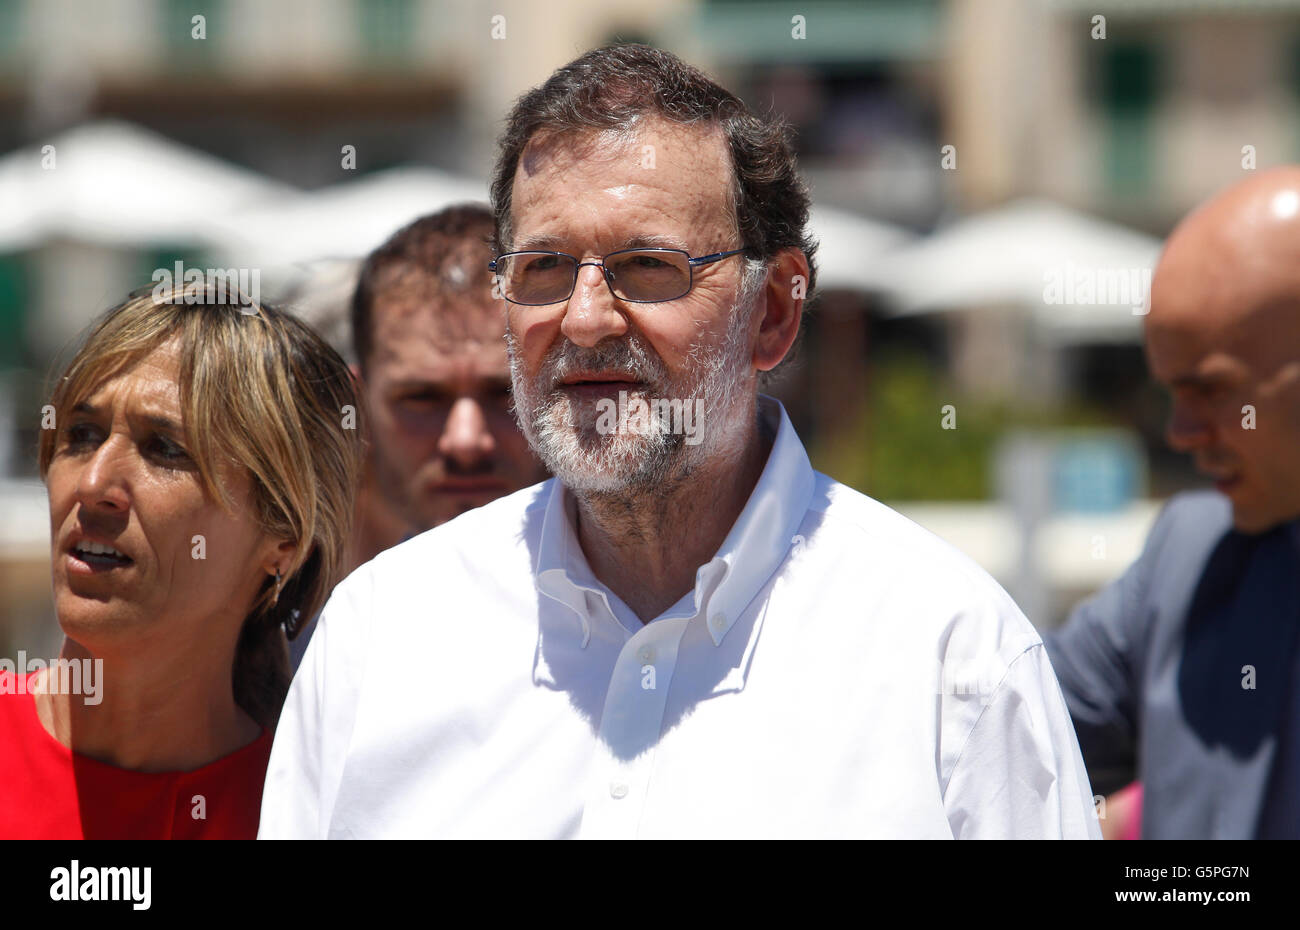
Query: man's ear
point(781, 307)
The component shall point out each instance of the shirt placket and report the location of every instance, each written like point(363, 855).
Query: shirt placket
point(630, 725)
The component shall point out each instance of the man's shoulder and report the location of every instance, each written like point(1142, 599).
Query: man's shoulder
point(489, 525)
point(485, 534)
point(939, 586)
point(1193, 518)
point(893, 539)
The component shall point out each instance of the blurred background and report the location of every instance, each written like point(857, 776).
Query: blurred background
point(992, 181)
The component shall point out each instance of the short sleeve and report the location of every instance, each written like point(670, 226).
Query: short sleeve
point(1020, 774)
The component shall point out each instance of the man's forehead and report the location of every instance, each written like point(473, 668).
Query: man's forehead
point(683, 172)
point(425, 359)
point(432, 323)
point(1188, 350)
point(649, 139)
point(1228, 306)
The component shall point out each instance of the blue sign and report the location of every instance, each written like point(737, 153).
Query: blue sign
point(1096, 474)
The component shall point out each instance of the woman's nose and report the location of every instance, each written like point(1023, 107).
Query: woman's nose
point(103, 481)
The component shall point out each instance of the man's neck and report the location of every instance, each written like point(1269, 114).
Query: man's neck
point(646, 547)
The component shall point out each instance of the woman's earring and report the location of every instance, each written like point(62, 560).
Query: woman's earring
point(278, 578)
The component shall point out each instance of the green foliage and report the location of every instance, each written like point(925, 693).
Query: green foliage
point(898, 450)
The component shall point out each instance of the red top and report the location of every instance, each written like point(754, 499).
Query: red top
point(49, 792)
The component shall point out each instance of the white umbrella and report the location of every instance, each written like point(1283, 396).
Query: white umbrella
point(351, 219)
point(116, 184)
point(347, 220)
point(1078, 275)
point(855, 253)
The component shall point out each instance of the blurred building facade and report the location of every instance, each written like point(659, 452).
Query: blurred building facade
point(1133, 122)
point(1137, 116)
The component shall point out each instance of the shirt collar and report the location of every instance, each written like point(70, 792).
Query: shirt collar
point(724, 586)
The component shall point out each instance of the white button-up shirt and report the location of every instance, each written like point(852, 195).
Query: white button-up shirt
point(836, 671)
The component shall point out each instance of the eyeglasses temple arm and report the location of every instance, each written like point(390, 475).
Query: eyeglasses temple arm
point(716, 256)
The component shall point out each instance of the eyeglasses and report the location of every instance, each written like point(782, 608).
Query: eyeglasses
point(641, 276)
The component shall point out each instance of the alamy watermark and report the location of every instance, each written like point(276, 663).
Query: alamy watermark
point(1081, 285)
point(76, 882)
point(241, 287)
point(644, 416)
point(64, 676)
point(964, 682)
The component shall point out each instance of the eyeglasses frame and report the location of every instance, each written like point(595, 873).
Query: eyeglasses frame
point(691, 264)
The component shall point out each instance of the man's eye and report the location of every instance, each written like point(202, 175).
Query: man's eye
point(422, 399)
point(543, 263)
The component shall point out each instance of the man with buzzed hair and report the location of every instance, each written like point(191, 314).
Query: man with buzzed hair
point(431, 357)
point(1184, 673)
point(431, 364)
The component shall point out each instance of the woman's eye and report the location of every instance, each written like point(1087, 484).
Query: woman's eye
point(79, 434)
point(168, 450)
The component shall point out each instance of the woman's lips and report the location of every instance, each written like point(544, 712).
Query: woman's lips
point(86, 563)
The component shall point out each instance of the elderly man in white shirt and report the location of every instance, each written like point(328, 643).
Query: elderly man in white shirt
point(687, 632)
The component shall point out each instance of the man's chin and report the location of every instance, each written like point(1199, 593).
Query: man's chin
point(1251, 518)
point(611, 474)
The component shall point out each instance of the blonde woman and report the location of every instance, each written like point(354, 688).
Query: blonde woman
point(201, 476)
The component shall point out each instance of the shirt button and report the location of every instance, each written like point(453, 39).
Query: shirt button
point(617, 790)
point(718, 621)
point(647, 654)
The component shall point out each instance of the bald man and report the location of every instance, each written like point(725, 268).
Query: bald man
point(1183, 673)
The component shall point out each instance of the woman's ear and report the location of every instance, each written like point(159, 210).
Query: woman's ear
point(281, 555)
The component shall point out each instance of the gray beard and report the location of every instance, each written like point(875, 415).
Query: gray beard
point(630, 462)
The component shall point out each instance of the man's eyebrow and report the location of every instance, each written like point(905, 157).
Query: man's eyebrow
point(654, 242)
point(538, 243)
point(415, 383)
point(554, 243)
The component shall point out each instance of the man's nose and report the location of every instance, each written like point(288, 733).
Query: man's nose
point(592, 313)
point(103, 483)
point(1187, 429)
point(466, 437)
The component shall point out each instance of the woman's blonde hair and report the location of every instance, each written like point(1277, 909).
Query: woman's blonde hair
point(263, 391)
